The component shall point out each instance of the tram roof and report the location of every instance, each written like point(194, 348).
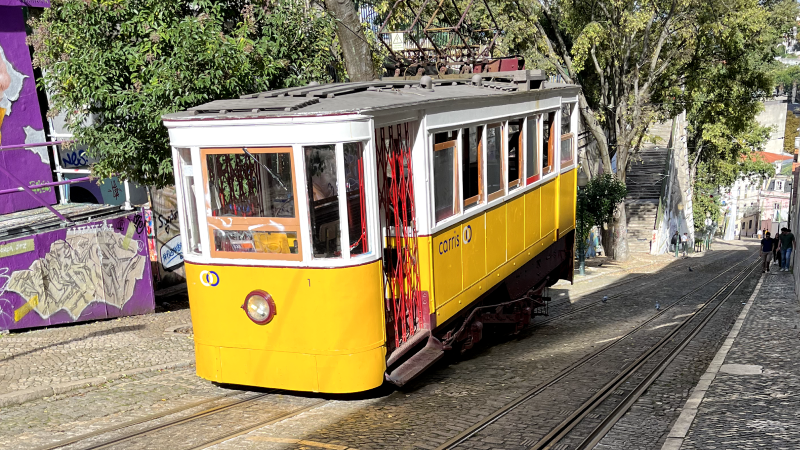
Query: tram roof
point(386, 94)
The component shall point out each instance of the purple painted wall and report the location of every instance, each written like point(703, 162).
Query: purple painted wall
point(86, 272)
point(20, 116)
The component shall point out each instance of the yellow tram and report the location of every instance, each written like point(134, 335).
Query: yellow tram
point(336, 236)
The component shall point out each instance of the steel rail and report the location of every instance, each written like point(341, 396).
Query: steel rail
point(724, 254)
point(559, 432)
point(131, 423)
point(263, 423)
point(618, 294)
point(500, 413)
point(621, 409)
point(171, 423)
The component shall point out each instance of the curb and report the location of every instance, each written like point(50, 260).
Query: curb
point(690, 409)
point(26, 395)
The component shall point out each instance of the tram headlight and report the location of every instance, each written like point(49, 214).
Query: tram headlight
point(260, 307)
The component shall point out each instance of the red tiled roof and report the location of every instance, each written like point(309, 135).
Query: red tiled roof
point(769, 157)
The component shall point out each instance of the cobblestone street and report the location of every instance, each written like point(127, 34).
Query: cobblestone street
point(141, 377)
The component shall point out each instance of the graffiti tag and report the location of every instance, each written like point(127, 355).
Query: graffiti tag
point(165, 222)
point(172, 253)
point(75, 158)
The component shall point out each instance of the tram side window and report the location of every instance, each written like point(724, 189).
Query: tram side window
point(514, 153)
point(532, 149)
point(189, 201)
point(471, 165)
point(548, 141)
point(251, 184)
point(445, 175)
point(494, 161)
point(567, 137)
point(356, 206)
point(323, 188)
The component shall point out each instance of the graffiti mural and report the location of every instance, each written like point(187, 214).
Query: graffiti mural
point(20, 115)
point(89, 271)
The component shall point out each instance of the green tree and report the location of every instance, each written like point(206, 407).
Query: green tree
point(643, 62)
point(115, 67)
point(597, 203)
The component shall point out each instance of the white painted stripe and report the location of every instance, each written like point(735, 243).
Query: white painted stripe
point(681, 427)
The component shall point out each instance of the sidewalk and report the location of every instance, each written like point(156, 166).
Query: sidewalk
point(43, 362)
point(750, 395)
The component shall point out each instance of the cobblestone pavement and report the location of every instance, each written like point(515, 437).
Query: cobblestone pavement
point(648, 423)
point(753, 401)
point(441, 403)
point(34, 361)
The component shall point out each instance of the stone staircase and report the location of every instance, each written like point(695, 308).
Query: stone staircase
point(644, 180)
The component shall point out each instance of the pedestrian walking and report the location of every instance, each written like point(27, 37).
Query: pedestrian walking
point(776, 256)
point(766, 252)
point(685, 243)
point(674, 242)
point(787, 244)
point(760, 234)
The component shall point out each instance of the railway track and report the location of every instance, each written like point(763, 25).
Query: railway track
point(705, 311)
point(653, 283)
point(182, 425)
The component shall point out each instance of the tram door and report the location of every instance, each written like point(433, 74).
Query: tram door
point(404, 302)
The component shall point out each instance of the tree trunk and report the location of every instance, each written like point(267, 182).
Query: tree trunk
point(618, 235)
point(356, 48)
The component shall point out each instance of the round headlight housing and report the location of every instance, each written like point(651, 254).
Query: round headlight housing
point(260, 307)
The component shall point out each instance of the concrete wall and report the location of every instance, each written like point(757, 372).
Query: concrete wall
point(774, 115)
point(675, 191)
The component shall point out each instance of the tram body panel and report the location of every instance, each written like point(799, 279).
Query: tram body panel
point(327, 321)
point(467, 264)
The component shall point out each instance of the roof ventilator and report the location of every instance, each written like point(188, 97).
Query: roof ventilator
point(426, 82)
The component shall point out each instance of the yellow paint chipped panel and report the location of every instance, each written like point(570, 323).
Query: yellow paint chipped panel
point(533, 228)
point(496, 237)
point(515, 225)
point(473, 252)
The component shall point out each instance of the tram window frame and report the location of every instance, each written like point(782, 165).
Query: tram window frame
point(532, 148)
point(475, 199)
point(568, 137)
point(339, 194)
point(548, 141)
point(358, 239)
point(520, 150)
point(442, 142)
point(288, 227)
point(189, 210)
point(501, 153)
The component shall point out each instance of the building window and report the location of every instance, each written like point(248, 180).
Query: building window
point(532, 149)
point(323, 194)
point(494, 161)
point(445, 175)
point(515, 145)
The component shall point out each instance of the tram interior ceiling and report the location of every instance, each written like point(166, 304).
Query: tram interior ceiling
point(358, 237)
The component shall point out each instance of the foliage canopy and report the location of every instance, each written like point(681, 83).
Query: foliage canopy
point(115, 67)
